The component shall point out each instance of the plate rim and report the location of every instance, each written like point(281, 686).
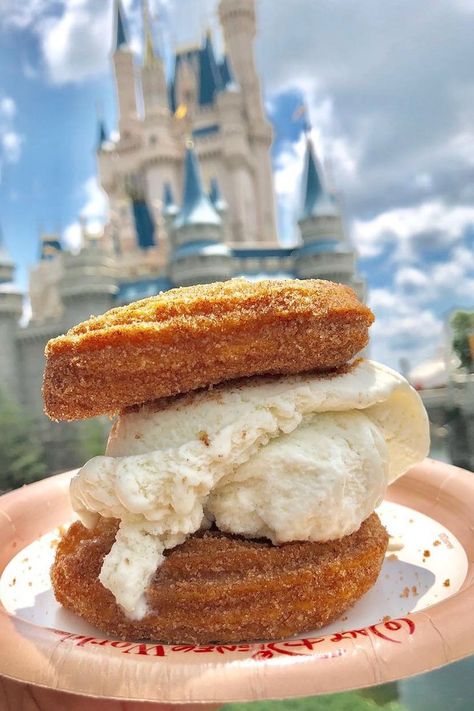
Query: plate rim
point(447, 635)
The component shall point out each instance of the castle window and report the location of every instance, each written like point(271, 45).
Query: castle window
point(153, 140)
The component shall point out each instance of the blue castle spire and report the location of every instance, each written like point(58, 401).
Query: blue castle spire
point(168, 199)
point(197, 208)
point(101, 134)
point(170, 209)
point(120, 36)
point(144, 225)
point(215, 196)
point(317, 201)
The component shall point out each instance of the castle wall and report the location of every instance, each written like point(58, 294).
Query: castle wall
point(31, 343)
point(10, 311)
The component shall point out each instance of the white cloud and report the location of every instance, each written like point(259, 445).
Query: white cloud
point(22, 14)
point(96, 205)
point(26, 313)
point(410, 313)
point(409, 278)
point(415, 337)
point(11, 146)
point(7, 107)
point(72, 236)
point(402, 329)
point(400, 227)
point(76, 44)
point(93, 213)
point(76, 35)
point(10, 140)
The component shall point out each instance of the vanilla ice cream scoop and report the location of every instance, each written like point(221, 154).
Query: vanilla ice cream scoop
point(300, 457)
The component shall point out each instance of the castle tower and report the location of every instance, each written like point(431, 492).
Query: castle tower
point(124, 74)
point(198, 254)
point(44, 279)
point(88, 282)
point(326, 251)
point(155, 92)
point(238, 22)
point(319, 218)
point(11, 306)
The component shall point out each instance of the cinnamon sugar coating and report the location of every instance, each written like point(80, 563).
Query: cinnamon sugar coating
point(222, 588)
point(198, 336)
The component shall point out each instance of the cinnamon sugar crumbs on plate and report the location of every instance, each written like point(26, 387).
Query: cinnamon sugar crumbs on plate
point(392, 556)
point(386, 618)
point(426, 553)
point(406, 592)
point(436, 543)
point(447, 583)
point(204, 437)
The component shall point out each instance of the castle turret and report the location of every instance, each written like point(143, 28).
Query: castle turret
point(198, 255)
point(124, 74)
point(319, 216)
point(50, 246)
point(238, 21)
point(44, 279)
point(325, 250)
point(88, 283)
point(155, 92)
point(11, 306)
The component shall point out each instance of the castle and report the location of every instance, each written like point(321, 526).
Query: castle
point(189, 183)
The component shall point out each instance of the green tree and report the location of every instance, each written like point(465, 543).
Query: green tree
point(462, 324)
point(349, 701)
point(22, 456)
point(91, 438)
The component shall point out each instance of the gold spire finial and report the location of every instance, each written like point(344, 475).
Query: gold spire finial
point(184, 117)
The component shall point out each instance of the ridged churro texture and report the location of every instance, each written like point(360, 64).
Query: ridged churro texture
point(221, 588)
point(198, 336)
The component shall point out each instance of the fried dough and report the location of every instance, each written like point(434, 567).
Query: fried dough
point(221, 588)
point(198, 336)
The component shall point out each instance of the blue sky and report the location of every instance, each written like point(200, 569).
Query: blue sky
point(390, 92)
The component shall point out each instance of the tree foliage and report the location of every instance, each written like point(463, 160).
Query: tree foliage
point(22, 456)
point(91, 439)
point(349, 701)
point(462, 325)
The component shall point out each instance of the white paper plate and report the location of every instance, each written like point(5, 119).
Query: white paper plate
point(419, 615)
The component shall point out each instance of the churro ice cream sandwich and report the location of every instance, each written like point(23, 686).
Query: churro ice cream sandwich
point(235, 500)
